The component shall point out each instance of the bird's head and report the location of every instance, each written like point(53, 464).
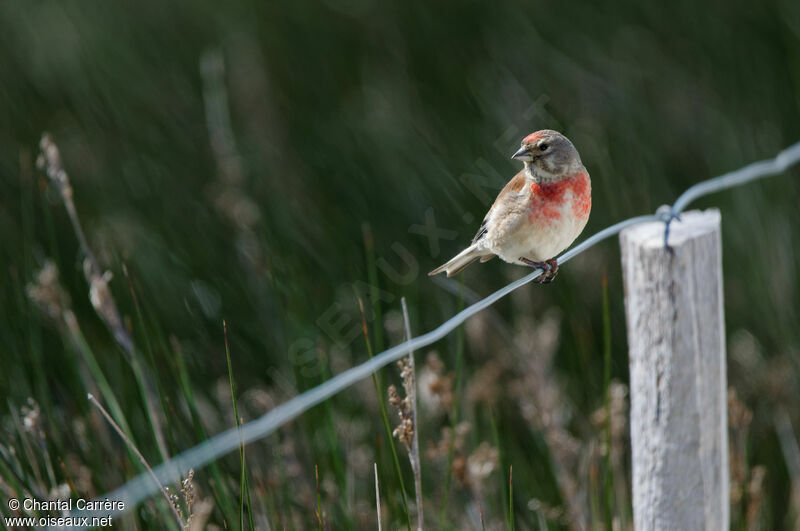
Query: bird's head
point(548, 153)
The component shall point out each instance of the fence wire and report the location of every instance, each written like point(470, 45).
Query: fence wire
point(143, 486)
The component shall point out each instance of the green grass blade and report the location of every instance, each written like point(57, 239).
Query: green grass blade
point(505, 493)
point(455, 412)
point(511, 497)
point(244, 488)
point(374, 289)
point(609, 471)
point(377, 381)
point(221, 495)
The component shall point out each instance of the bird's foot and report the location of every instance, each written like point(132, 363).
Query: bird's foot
point(549, 269)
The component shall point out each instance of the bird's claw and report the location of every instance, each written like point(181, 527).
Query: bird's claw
point(549, 269)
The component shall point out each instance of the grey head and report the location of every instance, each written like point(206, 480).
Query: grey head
point(548, 154)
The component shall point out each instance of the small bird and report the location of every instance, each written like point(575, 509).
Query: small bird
point(538, 214)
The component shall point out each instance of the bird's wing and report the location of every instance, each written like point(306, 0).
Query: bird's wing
point(482, 229)
point(514, 186)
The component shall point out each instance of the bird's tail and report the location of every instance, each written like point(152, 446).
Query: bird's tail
point(460, 261)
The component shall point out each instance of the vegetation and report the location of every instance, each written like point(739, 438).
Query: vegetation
point(291, 167)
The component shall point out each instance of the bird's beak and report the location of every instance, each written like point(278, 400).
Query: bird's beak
point(523, 154)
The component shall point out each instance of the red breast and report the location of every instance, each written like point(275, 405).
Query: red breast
point(547, 199)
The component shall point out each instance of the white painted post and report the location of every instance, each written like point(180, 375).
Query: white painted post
point(676, 340)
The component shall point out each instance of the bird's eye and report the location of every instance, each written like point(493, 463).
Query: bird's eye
point(543, 147)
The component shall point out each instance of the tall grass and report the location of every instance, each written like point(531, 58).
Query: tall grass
point(251, 161)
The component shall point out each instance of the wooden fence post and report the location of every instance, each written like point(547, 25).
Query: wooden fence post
point(676, 339)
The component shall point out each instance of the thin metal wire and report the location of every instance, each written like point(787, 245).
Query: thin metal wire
point(757, 170)
point(141, 487)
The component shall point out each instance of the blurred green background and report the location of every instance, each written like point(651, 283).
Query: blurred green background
point(271, 163)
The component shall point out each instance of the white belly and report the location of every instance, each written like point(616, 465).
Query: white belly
point(521, 234)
